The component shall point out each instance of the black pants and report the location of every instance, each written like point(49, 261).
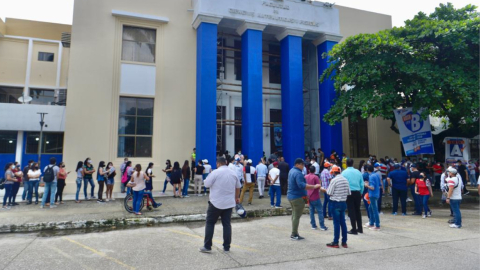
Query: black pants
point(101, 184)
point(402, 195)
point(353, 205)
point(213, 214)
point(60, 187)
point(15, 187)
point(284, 185)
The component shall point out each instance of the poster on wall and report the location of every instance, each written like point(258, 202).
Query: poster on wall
point(415, 132)
point(456, 149)
point(277, 132)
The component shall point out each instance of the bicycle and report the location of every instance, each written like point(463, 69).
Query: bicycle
point(128, 203)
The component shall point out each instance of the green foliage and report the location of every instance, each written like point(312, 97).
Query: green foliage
point(432, 62)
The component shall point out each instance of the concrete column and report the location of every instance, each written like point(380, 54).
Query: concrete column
point(19, 151)
point(206, 116)
point(330, 136)
point(293, 133)
point(252, 109)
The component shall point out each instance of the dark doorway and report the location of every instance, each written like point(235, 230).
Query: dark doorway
point(221, 129)
point(358, 136)
point(238, 129)
point(276, 144)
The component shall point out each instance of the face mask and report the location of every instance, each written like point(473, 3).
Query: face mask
point(311, 162)
point(13, 167)
point(90, 161)
point(239, 152)
point(166, 163)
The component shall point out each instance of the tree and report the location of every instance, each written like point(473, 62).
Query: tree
point(432, 62)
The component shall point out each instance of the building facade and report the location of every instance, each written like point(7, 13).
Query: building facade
point(152, 80)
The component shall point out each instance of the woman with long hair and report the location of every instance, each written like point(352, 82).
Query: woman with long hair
point(9, 180)
point(62, 175)
point(101, 180)
point(79, 170)
point(126, 175)
point(186, 178)
point(168, 172)
point(138, 179)
point(33, 174)
point(110, 181)
point(149, 173)
point(176, 179)
point(423, 188)
point(88, 171)
point(360, 166)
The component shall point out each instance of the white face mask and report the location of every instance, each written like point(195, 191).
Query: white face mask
point(312, 162)
point(13, 167)
point(90, 161)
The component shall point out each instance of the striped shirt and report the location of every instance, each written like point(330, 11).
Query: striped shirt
point(339, 189)
point(383, 169)
point(325, 176)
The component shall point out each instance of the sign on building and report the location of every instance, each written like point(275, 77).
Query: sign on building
point(456, 149)
point(415, 132)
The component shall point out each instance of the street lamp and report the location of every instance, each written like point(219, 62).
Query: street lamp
point(42, 117)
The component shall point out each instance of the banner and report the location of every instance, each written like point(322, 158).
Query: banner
point(457, 149)
point(277, 131)
point(415, 133)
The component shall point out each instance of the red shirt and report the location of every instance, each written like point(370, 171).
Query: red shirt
point(437, 169)
point(423, 187)
point(312, 179)
point(19, 178)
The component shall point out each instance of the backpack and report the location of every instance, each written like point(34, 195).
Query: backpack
point(49, 175)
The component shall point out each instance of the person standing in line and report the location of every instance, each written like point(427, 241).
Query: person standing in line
point(383, 171)
point(414, 175)
point(50, 173)
point(275, 189)
point(249, 175)
point(397, 180)
point(16, 186)
point(471, 169)
point(374, 192)
point(463, 172)
point(101, 174)
point(126, 176)
point(138, 179)
point(297, 190)
point(423, 188)
point(224, 192)
point(26, 183)
point(79, 170)
point(186, 178)
point(325, 177)
point(314, 200)
point(168, 172)
point(206, 172)
point(148, 183)
point(124, 180)
point(33, 175)
point(111, 173)
point(262, 172)
point(88, 171)
point(316, 166)
point(62, 175)
point(454, 197)
point(354, 200)
point(284, 168)
point(176, 180)
point(378, 171)
point(339, 190)
point(198, 178)
point(365, 177)
point(9, 180)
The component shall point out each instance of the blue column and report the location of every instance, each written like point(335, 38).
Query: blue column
point(330, 136)
point(252, 109)
point(293, 134)
point(206, 116)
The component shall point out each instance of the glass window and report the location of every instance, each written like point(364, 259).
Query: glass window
point(274, 68)
point(237, 61)
point(8, 142)
point(358, 136)
point(45, 56)
point(10, 94)
point(138, 44)
point(52, 143)
point(135, 127)
point(42, 96)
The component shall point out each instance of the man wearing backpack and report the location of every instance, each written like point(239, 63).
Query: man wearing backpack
point(50, 179)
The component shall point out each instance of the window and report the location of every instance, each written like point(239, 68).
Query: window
point(8, 142)
point(274, 68)
point(52, 143)
point(42, 96)
point(135, 127)
point(45, 56)
point(237, 62)
point(10, 95)
point(138, 44)
point(358, 136)
point(221, 56)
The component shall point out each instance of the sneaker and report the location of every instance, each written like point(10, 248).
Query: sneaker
point(41, 206)
point(186, 196)
point(404, 214)
point(394, 213)
point(107, 200)
point(53, 206)
point(314, 228)
point(205, 250)
point(466, 193)
point(409, 200)
point(373, 228)
point(226, 250)
point(381, 213)
point(423, 216)
point(112, 199)
point(367, 225)
point(6, 207)
point(200, 195)
point(429, 214)
point(278, 207)
point(416, 214)
point(272, 206)
point(332, 245)
point(296, 237)
point(455, 226)
point(249, 203)
point(323, 228)
point(344, 245)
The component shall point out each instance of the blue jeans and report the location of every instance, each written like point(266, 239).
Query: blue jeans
point(26, 187)
point(165, 183)
point(275, 191)
point(373, 209)
point(50, 187)
point(33, 185)
point(316, 205)
point(424, 201)
point(416, 198)
point(149, 193)
point(137, 200)
point(205, 175)
point(85, 185)
point(457, 215)
point(8, 193)
point(186, 182)
point(338, 214)
point(79, 186)
point(326, 202)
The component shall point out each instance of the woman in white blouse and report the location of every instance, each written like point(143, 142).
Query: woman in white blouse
point(34, 178)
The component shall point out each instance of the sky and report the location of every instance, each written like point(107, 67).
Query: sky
point(61, 11)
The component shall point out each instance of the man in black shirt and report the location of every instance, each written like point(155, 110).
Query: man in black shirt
point(414, 175)
point(462, 170)
point(284, 169)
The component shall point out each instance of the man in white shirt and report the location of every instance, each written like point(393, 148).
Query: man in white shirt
point(454, 197)
point(224, 190)
point(275, 189)
point(249, 176)
point(206, 172)
point(238, 169)
point(317, 167)
point(262, 172)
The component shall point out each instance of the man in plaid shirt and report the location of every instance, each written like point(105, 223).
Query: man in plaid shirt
point(325, 177)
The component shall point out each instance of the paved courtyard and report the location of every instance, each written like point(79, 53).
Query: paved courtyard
point(404, 243)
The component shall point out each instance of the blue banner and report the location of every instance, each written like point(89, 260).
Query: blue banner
point(415, 133)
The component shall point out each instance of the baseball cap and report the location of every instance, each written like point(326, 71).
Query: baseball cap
point(327, 164)
point(396, 165)
point(376, 164)
point(413, 166)
point(335, 169)
point(249, 161)
point(275, 163)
